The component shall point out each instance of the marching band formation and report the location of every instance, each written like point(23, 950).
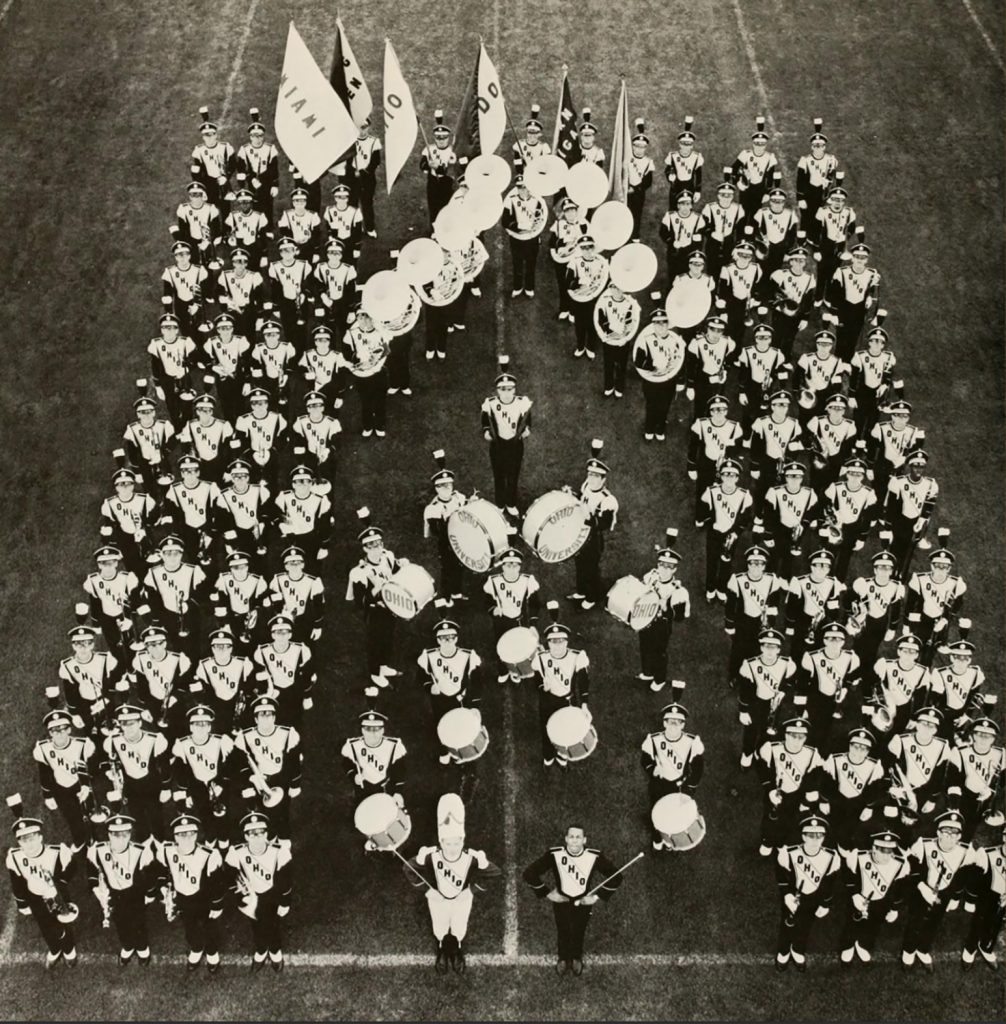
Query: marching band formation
point(172, 749)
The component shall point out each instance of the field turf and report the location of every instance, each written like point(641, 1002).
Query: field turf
point(99, 105)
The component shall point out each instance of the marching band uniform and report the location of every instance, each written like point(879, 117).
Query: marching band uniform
point(241, 292)
point(263, 431)
point(262, 868)
point(852, 783)
point(851, 507)
point(171, 359)
point(513, 599)
point(506, 421)
point(366, 348)
point(212, 163)
point(561, 675)
point(681, 232)
point(360, 172)
point(710, 354)
point(289, 284)
point(161, 676)
point(88, 678)
point(806, 875)
point(835, 225)
point(196, 500)
point(786, 512)
point(792, 295)
point(683, 166)
point(988, 892)
point(851, 295)
point(181, 297)
point(173, 589)
point(122, 876)
point(257, 164)
point(899, 683)
point(240, 511)
point(140, 757)
point(813, 597)
point(228, 354)
point(762, 683)
point(822, 373)
point(147, 443)
point(111, 594)
point(815, 174)
point(322, 366)
point(586, 275)
point(723, 222)
point(832, 438)
point(320, 432)
point(590, 152)
point(775, 229)
point(198, 223)
point(302, 225)
point(736, 286)
point(672, 760)
point(248, 231)
point(956, 687)
point(335, 284)
point(374, 757)
point(533, 147)
point(920, 763)
point(435, 516)
point(524, 217)
point(978, 771)
point(872, 375)
point(208, 439)
point(284, 664)
point(787, 775)
point(601, 515)
point(192, 872)
point(640, 178)
point(66, 769)
point(830, 678)
point(750, 608)
point(271, 362)
point(345, 224)
point(711, 439)
point(773, 438)
point(616, 321)
point(933, 601)
point(201, 766)
point(299, 595)
point(224, 678)
point(674, 605)
point(305, 516)
point(563, 243)
point(876, 881)
point(436, 162)
point(909, 505)
point(880, 600)
point(563, 874)
point(753, 169)
point(658, 355)
point(726, 510)
point(38, 875)
point(893, 442)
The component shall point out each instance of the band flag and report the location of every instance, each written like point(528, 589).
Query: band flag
point(400, 121)
point(621, 150)
point(347, 78)
point(466, 134)
point(492, 113)
point(564, 141)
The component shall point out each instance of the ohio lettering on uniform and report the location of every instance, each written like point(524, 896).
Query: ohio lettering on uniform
point(557, 673)
point(449, 674)
point(808, 872)
point(671, 757)
point(114, 595)
point(244, 508)
point(64, 765)
point(137, 758)
point(89, 678)
point(919, 762)
point(282, 668)
point(175, 586)
point(188, 871)
point(853, 779)
point(373, 762)
point(260, 872)
point(203, 760)
point(120, 869)
point(270, 751)
point(162, 675)
point(790, 770)
point(224, 680)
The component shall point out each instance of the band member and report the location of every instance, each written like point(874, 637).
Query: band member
point(940, 868)
point(711, 439)
point(302, 225)
point(447, 500)
point(850, 509)
point(228, 354)
point(38, 877)
point(987, 892)
point(737, 284)
point(172, 358)
point(289, 280)
point(852, 784)
point(533, 145)
point(375, 758)
point(640, 178)
point(173, 590)
point(762, 684)
point(524, 218)
point(561, 674)
point(892, 443)
point(725, 513)
point(88, 677)
point(786, 514)
point(696, 281)
point(201, 767)
point(322, 366)
point(193, 872)
point(248, 231)
point(284, 662)
point(261, 867)
point(908, 506)
point(208, 439)
point(258, 165)
point(658, 353)
point(877, 603)
point(753, 170)
point(345, 224)
point(982, 766)
point(212, 161)
point(263, 431)
point(181, 297)
point(791, 298)
point(601, 514)
point(616, 321)
point(139, 758)
point(752, 605)
point(437, 162)
point(590, 152)
point(834, 228)
point(832, 439)
point(161, 677)
point(112, 594)
point(506, 423)
point(225, 680)
point(586, 276)
point(514, 599)
point(122, 876)
point(900, 683)
point(814, 596)
point(933, 601)
point(815, 174)
point(273, 758)
point(851, 295)
point(872, 376)
point(710, 354)
point(563, 875)
point(148, 441)
point(366, 580)
point(272, 359)
point(299, 595)
point(672, 760)
point(336, 285)
point(452, 674)
point(876, 881)
point(830, 679)
point(198, 223)
point(320, 433)
point(681, 232)
point(564, 242)
point(366, 347)
point(774, 438)
point(821, 373)
point(241, 595)
point(674, 605)
point(66, 770)
point(360, 169)
point(304, 515)
point(194, 499)
point(241, 292)
point(956, 688)
point(451, 873)
point(683, 167)
point(920, 763)
point(806, 875)
point(775, 228)
point(723, 221)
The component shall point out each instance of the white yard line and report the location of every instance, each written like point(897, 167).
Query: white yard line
point(238, 60)
point(992, 48)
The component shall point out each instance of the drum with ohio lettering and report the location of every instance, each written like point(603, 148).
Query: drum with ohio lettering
point(478, 533)
point(676, 817)
point(516, 647)
point(408, 591)
point(461, 731)
point(382, 821)
point(572, 733)
point(556, 526)
point(633, 602)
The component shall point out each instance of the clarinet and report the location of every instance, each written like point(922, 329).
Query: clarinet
point(168, 899)
point(104, 897)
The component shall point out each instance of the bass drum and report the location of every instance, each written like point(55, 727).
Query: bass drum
point(556, 526)
point(478, 533)
point(409, 591)
point(631, 601)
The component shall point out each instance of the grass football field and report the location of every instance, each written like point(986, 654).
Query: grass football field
point(99, 107)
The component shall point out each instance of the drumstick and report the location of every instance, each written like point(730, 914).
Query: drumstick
point(601, 885)
point(411, 868)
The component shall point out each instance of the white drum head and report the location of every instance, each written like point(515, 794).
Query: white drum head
point(674, 813)
point(375, 814)
point(517, 645)
point(459, 727)
point(568, 726)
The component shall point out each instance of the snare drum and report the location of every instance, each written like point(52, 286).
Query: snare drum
point(382, 821)
point(516, 647)
point(409, 591)
point(462, 732)
point(572, 733)
point(478, 533)
point(633, 602)
point(676, 817)
point(556, 526)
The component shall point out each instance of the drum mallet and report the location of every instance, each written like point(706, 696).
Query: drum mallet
point(412, 869)
point(601, 885)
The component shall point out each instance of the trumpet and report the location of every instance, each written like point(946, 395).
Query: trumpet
point(97, 813)
point(269, 795)
point(57, 904)
point(217, 804)
point(183, 626)
point(858, 619)
point(104, 897)
point(168, 899)
point(162, 716)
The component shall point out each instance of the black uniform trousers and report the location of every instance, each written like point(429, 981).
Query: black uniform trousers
point(380, 629)
point(200, 931)
point(505, 456)
point(653, 643)
point(451, 570)
point(863, 930)
point(717, 561)
point(437, 321)
point(753, 735)
point(745, 641)
point(616, 357)
point(524, 255)
point(129, 915)
point(794, 929)
point(373, 399)
point(588, 566)
point(986, 924)
point(571, 926)
point(658, 398)
point(364, 185)
point(583, 321)
point(778, 824)
point(267, 926)
point(399, 375)
point(565, 302)
point(142, 797)
point(439, 188)
point(58, 936)
point(851, 317)
point(73, 812)
point(785, 327)
point(923, 922)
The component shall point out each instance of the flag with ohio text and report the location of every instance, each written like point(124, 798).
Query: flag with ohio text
point(312, 124)
point(347, 78)
point(564, 140)
point(400, 122)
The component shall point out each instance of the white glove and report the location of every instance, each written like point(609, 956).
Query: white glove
point(487, 435)
point(294, 792)
point(822, 911)
point(891, 916)
point(867, 814)
point(24, 911)
point(860, 902)
point(165, 795)
point(775, 797)
point(755, 474)
point(744, 718)
point(316, 633)
point(214, 914)
point(729, 630)
point(690, 394)
point(399, 800)
point(792, 901)
point(742, 398)
point(358, 778)
point(50, 804)
point(927, 894)
point(282, 911)
point(82, 794)
point(889, 636)
point(693, 475)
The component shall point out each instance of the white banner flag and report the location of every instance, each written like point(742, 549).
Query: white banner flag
point(400, 124)
point(492, 114)
point(621, 150)
point(312, 124)
point(360, 103)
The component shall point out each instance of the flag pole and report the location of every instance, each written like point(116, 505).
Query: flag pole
point(601, 885)
point(555, 132)
point(520, 145)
